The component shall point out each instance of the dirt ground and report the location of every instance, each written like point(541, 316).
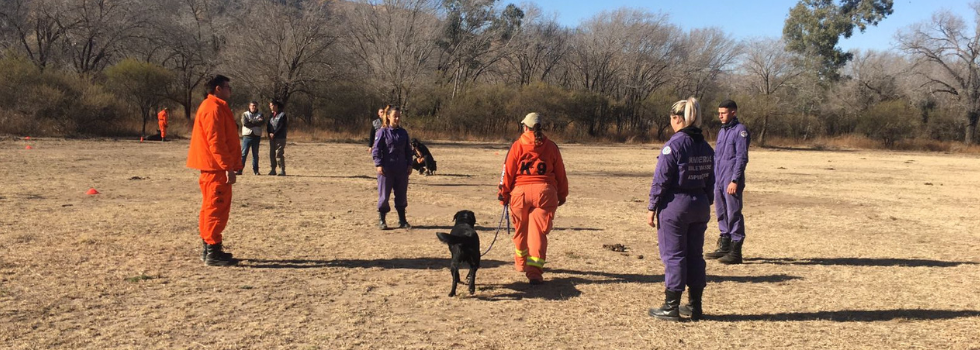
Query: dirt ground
point(845, 249)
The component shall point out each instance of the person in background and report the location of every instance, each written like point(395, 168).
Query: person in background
point(375, 125)
point(731, 157)
point(253, 122)
point(162, 121)
point(277, 128)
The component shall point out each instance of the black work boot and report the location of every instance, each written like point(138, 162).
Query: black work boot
point(382, 224)
point(693, 307)
point(669, 310)
point(402, 222)
point(724, 246)
point(734, 256)
point(204, 251)
point(217, 257)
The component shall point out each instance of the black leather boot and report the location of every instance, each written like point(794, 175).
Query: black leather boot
point(693, 308)
point(204, 251)
point(402, 222)
point(382, 224)
point(217, 257)
point(724, 246)
point(735, 256)
point(669, 310)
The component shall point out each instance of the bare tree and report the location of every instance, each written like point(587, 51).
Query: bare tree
point(394, 41)
point(33, 27)
point(188, 38)
point(770, 69)
point(706, 53)
point(948, 56)
point(476, 34)
point(624, 55)
point(540, 44)
point(652, 50)
point(95, 29)
point(282, 48)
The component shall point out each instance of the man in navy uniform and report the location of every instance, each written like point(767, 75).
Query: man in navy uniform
point(731, 156)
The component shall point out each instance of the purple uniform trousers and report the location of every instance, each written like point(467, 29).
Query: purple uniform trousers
point(680, 232)
point(728, 208)
point(393, 153)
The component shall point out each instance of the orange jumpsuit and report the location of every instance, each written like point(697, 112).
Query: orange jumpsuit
point(162, 120)
point(214, 150)
point(534, 184)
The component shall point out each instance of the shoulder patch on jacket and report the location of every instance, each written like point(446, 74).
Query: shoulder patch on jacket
point(743, 133)
point(666, 150)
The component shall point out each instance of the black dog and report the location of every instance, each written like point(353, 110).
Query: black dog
point(464, 243)
point(422, 160)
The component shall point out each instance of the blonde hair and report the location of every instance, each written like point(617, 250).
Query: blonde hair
point(690, 109)
point(389, 111)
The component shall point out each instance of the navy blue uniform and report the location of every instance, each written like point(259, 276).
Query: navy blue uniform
point(393, 153)
point(681, 194)
point(731, 157)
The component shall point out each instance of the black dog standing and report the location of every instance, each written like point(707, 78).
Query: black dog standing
point(422, 160)
point(464, 244)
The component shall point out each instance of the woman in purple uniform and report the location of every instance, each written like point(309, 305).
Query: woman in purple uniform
point(680, 206)
point(392, 155)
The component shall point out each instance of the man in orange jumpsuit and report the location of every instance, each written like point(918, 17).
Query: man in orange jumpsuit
point(162, 120)
point(216, 152)
point(534, 184)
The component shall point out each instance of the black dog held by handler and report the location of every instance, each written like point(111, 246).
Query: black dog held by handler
point(464, 243)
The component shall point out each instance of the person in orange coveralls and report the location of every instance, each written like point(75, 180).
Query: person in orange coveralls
point(216, 152)
point(534, 184)
point(162, 120)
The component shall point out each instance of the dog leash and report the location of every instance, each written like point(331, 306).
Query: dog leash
point(503, 216)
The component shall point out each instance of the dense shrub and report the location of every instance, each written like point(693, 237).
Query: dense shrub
point(888, 122)
point(50, 102)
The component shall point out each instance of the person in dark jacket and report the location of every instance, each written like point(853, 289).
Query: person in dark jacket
point(277, 128)
point(680, 207)
point(392, 155)
point(375, 125)
point(731, 157)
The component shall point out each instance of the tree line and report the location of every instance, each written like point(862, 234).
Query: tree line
point(470, 68)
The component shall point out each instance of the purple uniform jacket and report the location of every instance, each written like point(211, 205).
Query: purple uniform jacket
point(684, 166)
point(732, 153)
point(392, 149)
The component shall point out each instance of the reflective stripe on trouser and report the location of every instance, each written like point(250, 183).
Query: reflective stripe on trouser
point(520, 259)
point(215, 206)
point(532, 209)
point(728, 207)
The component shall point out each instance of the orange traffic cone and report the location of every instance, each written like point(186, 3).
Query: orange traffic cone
point(141, 139)
point(28, 147)
point(92, 191)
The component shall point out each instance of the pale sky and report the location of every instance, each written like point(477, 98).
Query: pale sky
point(763, 18)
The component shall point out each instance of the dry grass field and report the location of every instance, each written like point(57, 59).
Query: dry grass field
point(845, 249)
